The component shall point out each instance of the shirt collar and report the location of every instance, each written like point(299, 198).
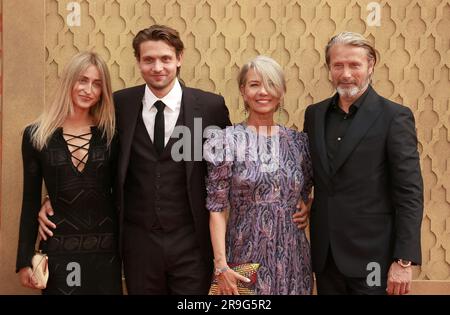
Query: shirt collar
point(172, 100)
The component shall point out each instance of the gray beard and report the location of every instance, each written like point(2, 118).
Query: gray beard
point(351, 92)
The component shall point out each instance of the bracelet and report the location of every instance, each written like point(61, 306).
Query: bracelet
point(219, 271)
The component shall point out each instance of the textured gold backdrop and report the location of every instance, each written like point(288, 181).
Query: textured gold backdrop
point(220, 35)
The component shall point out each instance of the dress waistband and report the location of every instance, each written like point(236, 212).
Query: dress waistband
point(80, 243)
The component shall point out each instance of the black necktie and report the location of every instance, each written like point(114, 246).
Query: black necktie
point(158, 134)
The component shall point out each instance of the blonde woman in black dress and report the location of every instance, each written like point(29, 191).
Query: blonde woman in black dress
point(71, 148)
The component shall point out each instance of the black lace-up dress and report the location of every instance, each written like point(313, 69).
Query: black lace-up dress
point(83, 252)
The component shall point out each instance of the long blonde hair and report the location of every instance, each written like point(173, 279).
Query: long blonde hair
point(54, 115)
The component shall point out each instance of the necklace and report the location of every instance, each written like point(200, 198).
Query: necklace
point(268, 154)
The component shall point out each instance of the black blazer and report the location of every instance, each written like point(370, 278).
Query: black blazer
point(197, 104)
point(369, 209)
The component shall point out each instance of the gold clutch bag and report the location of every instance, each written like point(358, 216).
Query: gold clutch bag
point(248, 270)
point(40, 269)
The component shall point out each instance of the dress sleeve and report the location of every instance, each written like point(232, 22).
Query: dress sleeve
point(31, 201)
point(218, 181)
point(306, 166)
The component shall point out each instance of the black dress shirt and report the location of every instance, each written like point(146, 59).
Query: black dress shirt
point(337, 122)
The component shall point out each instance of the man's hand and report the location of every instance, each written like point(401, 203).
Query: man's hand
point(399, 279)
point(301, 216)
point(44, 223)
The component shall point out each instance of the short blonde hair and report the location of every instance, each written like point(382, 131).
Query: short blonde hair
point(351, 39)
point(270, 71)
point(54, 115)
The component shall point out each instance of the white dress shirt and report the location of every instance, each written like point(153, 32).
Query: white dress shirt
point(171, 112)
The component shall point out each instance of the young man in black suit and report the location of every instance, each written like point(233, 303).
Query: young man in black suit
point(368, 191)
point(164, 223)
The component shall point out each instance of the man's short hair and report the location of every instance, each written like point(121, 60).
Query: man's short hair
point(158, 32)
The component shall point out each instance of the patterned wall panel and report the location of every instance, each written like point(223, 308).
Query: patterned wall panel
point(412, 37)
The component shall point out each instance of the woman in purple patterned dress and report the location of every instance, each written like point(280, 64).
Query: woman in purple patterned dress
point(257, 173)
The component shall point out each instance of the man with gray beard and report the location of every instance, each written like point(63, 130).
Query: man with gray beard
point(368, 190)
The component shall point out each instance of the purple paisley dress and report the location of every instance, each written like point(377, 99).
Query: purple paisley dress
point(260, 179)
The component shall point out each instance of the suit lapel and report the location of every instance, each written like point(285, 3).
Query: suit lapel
point(319, 125)
point(192, 110)
point(128, 118)
point(365, 117)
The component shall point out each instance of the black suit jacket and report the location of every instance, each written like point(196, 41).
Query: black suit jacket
point(368, 205)
point(197, 104)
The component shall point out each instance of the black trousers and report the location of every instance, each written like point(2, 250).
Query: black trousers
point(330, 281)
point(158, 262)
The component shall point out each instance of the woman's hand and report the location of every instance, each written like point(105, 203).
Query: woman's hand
point(27, 279)
point(227, 282)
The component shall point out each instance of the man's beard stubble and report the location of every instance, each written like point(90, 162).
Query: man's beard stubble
point(352, 91)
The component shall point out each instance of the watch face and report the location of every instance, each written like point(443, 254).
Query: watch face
point(404, 263)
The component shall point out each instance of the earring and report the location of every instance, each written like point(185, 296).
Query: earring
point(280, 108)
